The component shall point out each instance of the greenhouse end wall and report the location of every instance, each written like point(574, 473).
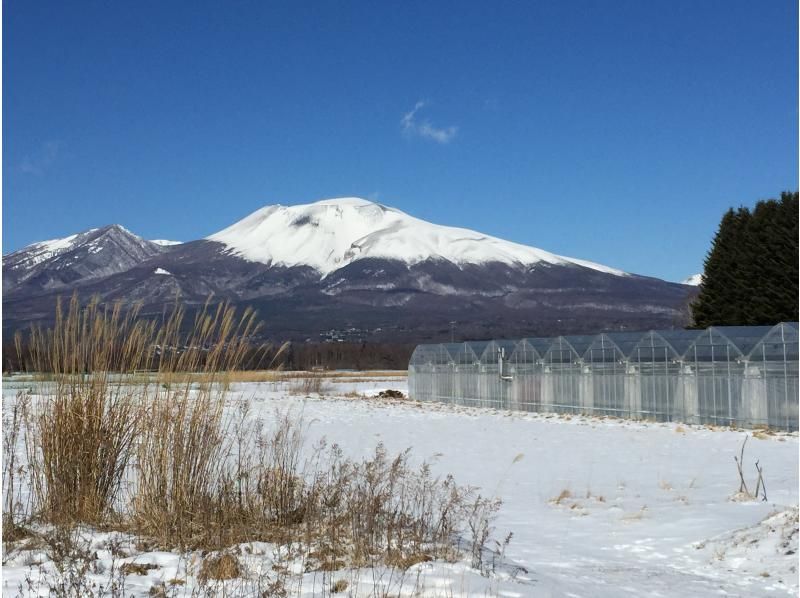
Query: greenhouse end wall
point(731, 376)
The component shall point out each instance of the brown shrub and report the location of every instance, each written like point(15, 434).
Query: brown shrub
point(137, 568)
point(220, 567)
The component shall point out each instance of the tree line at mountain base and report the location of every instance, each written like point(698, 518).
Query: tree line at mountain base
point(291, 356)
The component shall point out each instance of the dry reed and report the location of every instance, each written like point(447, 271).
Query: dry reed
point(82, 428)
point(166, 458)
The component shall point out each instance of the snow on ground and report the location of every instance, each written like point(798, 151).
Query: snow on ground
point(597, 507)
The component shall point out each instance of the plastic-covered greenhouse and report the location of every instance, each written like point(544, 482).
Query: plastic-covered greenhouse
point(725, 375)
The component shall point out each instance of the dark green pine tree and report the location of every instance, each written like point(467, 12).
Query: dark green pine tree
point(773, 262)
point(736, 279)
point(751, 271)
point(787, 258)
point(759, 267)
point(715, 305)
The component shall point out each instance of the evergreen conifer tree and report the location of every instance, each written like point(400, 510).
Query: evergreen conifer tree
point(751, 271)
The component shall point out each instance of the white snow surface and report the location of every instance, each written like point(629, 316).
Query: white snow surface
point(646, 508)
point(693, 280)
point(332, 233)
point(45, 250)
point(41, 251)
point(162, 271)
point(165, 242)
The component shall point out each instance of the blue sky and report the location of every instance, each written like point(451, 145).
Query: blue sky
point(612, 131)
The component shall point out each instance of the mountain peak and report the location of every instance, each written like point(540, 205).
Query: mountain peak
point(357, 202)
point(56, 262)
point(332, 233)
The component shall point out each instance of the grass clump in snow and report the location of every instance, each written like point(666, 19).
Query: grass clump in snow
point(220, 567)
point(307, 384)
point(167, 458)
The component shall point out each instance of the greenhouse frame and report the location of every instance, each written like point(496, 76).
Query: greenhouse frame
point(724, 375)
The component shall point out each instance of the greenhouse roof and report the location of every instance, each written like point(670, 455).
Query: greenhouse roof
point(719, 343)
point(490, 352)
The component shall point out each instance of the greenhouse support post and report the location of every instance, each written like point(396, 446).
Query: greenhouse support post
point(687, 393)
point(754, 396)
point(633, 393)
point(548, 392)
point(586, 390)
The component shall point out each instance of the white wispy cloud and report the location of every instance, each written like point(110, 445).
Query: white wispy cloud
point(40, 161)
point(411, 125)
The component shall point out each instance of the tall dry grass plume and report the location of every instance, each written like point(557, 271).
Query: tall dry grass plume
point(97, 414)
point(182, 452)
point(133, 429)
point(80, 437)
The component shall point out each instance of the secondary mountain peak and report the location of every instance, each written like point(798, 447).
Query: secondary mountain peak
point(90, 254)
point(332, 233)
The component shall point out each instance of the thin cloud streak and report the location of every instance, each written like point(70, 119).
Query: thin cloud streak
point(413, 127)
point(42, 160)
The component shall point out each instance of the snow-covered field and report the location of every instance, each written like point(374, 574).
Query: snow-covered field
point(596, 507)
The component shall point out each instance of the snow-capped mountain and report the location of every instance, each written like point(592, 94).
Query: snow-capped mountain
point(695, 280)
point(92, 254)
point(345, 264)
point(332, 233)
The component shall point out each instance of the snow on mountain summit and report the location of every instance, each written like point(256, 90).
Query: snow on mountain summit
point(83, 256)
point(693, 280)
point(332, 233)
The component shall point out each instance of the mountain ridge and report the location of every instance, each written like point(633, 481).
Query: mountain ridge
point(386, 277)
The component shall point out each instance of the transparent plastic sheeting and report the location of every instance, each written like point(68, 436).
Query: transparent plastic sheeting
point(725, 375)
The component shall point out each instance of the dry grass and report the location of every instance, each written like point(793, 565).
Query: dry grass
point(90, 426)
point(137, 568)
point(563, 495)
point(220, 568)
point(80, 434)
point(164, 457)
point(291, 376)
point(274, 375)
point(308, 383)
point(339, 586)
point(13, 508)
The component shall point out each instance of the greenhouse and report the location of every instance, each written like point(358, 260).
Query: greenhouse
point(724, 375)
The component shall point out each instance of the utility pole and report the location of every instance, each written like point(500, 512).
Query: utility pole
point(453, 331)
